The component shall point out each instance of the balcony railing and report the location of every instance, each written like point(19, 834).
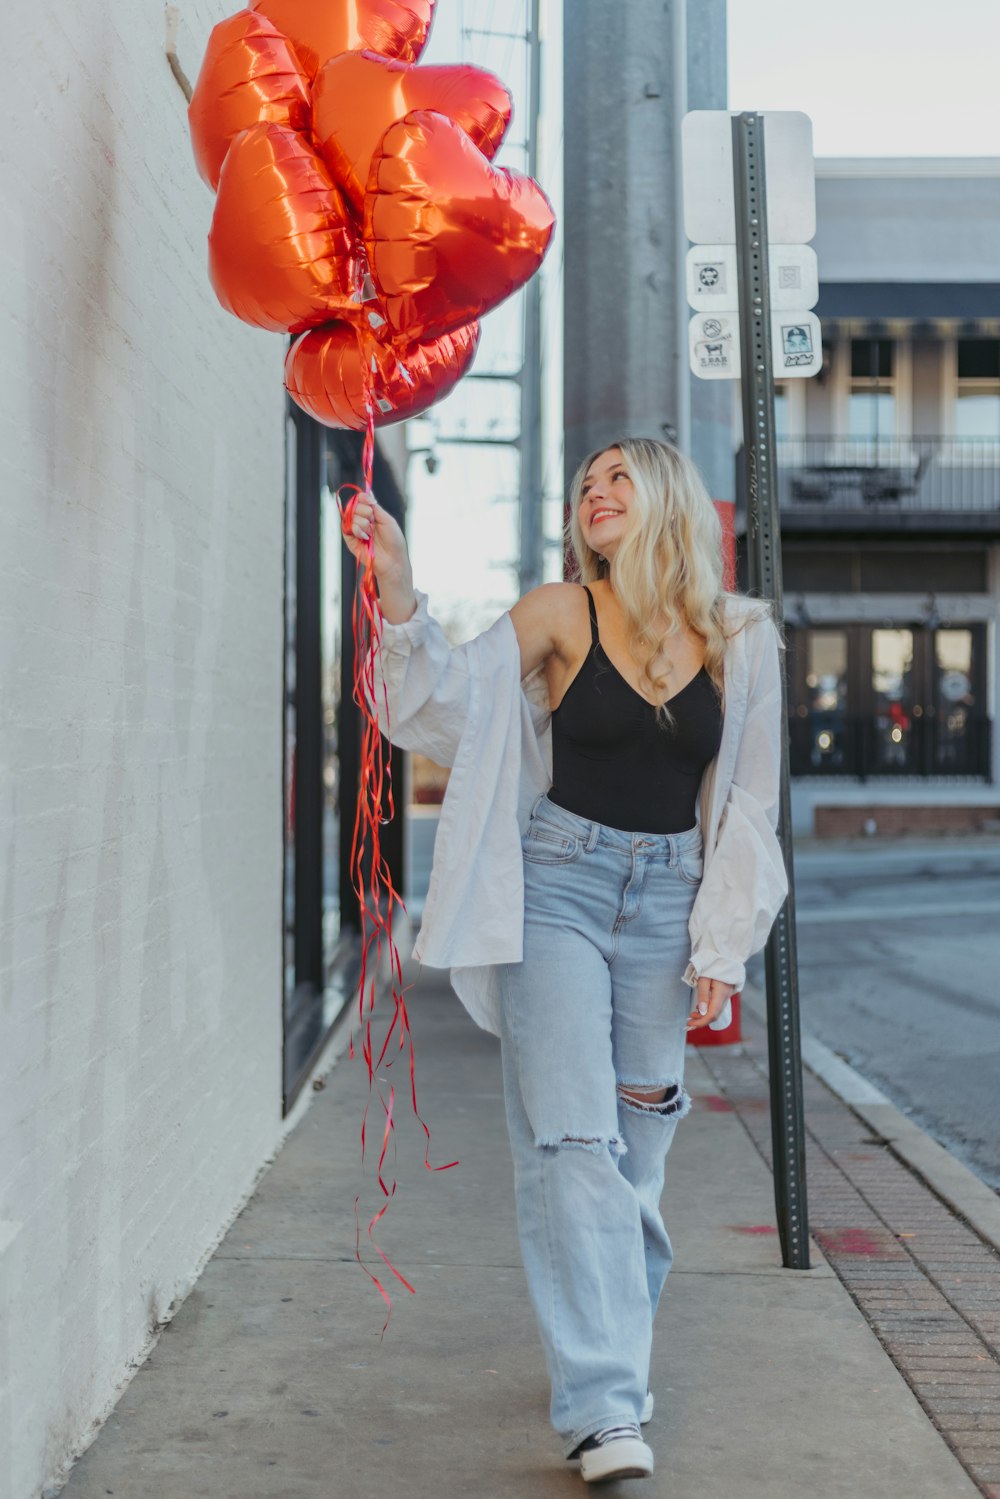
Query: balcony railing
point(887, 475)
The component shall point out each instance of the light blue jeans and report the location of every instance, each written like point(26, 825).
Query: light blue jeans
point(596, 1007)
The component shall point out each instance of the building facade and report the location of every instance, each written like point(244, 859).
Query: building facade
point(176, 931)
point(890, 504)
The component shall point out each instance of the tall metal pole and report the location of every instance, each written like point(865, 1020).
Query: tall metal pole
point(530, 550)
point(625, 334)
point(764, 556)
point(710, 416)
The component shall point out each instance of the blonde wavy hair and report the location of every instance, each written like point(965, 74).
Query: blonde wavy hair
point(667, 572)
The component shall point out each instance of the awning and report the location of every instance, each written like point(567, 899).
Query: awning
point(922, 301)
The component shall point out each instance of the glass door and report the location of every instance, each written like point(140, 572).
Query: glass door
point(893, 722)
point(906, 700)
point(826, 701)
point(954, 702)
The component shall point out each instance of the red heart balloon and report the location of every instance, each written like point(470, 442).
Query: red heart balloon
point(321, 29)
point(282, 254)
point(249, 74)
point(357, 96)
point(448, 236)
point(332, 372)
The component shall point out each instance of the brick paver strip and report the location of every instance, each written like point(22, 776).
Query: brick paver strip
point(927, 1284)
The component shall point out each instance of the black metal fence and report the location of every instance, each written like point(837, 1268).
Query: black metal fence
point(922, 474)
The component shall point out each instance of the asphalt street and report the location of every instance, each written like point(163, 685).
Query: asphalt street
point(899, 970)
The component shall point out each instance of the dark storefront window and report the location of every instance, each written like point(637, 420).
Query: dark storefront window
point(322, 945)
point(885, 700)
point(289, 714)
point(330, 626)
point(306, 1001)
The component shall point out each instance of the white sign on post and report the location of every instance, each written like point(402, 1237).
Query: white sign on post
point(796, 345)
point(714, 345)
point(709, 208)
point(710, 273)
point(793, 276)
point(711, 277)
point(711, 267)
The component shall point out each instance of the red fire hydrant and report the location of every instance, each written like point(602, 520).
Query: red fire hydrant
point(705, 1036)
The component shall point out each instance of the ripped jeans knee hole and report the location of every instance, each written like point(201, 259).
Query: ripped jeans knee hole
point(664, 1100)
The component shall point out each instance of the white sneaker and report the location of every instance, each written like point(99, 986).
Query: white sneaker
point(615, 1452)
point(647, 1409)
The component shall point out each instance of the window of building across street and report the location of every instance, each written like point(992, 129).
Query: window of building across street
point(780, 412)
point(977, 394)
point(871, 400)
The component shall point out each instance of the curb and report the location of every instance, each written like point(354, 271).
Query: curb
point(974, 1202)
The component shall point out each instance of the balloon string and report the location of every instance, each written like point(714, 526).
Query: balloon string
point(371, 877)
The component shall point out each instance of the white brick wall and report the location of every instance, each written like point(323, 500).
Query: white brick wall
point(141, 527)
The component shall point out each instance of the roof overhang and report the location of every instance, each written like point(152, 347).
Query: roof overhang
point(928, 302)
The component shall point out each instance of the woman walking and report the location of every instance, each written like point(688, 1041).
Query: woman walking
point(605, 863)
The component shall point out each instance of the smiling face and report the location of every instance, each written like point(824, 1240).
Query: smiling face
point(606, 498)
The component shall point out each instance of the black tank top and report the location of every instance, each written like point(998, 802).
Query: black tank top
point(614, 763)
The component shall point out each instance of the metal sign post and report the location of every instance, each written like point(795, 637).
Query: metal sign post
point(764, 555)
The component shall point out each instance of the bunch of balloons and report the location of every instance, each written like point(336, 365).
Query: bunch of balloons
point(357, 204)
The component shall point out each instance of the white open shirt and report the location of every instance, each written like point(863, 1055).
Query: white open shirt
point(466, 707)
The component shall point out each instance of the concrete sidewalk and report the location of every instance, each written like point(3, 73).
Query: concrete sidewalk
point(272, 1381)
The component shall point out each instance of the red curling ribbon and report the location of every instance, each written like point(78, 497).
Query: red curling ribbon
point(372, 881)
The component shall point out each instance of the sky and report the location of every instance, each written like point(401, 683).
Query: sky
point(463, 519)
point(877, 78)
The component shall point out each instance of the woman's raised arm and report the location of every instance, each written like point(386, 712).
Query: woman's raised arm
point(539, 618)
point(390, 558)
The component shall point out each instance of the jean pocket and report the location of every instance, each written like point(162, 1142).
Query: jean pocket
point(691, 865)
point(545, 844)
